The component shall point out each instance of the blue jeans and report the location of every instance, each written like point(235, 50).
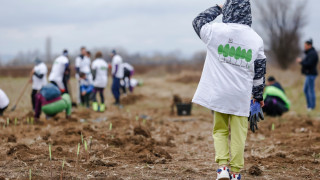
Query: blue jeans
point(116, 89)
point(309, 91)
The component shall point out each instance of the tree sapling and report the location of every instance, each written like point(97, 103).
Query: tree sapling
point(63, 161)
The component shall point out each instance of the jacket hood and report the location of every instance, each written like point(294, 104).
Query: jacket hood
point(237, 11)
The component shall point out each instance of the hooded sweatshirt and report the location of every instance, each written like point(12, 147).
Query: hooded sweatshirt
point(235, 65)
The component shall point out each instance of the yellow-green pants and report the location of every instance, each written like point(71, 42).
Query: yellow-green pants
point(239, 130)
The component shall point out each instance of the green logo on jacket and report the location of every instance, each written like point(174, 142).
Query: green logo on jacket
point(235, 53)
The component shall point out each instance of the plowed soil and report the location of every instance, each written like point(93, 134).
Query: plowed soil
point(147, 142)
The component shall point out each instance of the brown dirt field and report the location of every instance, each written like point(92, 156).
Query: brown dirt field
point(157, 145)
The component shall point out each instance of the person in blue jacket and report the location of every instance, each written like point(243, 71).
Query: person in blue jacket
point(85, 90)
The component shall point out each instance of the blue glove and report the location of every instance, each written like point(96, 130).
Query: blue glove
point(256, 114)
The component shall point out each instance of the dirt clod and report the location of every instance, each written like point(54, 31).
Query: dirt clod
point(16, 148)
point(281, 155)
point(142, 131)
point(255, 170)
point(99, 162)
point(12, 138)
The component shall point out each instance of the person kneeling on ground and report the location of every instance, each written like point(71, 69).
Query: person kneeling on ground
point(276, 101)
point(100, 79)
point(85, 90)
point(4, 102)
point(50, 101)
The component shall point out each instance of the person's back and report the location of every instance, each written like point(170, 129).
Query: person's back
point(101, 76)
point(128, 67)
point(50, 101)
point(232, 53)
point(57, 72)
point(234, 71)
point(117, 66)
point(39, 78)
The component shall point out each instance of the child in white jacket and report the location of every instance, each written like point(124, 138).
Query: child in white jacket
point(233, 72)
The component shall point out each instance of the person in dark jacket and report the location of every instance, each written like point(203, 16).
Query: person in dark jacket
point(276, 101)
point(273, 82)
point(309, 69)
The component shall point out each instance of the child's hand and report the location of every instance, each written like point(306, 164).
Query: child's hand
point(84, 93)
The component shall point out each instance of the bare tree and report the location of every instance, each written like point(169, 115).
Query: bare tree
point(283, 21)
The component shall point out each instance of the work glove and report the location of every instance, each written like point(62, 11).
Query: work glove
point(256, 114)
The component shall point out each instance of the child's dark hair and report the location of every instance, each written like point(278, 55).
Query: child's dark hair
point(98, 54)
point(82, 75)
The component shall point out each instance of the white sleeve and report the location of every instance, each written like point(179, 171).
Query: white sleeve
point(261, 54)
point(206, 33)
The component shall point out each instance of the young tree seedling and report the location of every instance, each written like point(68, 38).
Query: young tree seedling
point(50, 159)
point(81, 138)
point(78, 152)
point(61, 177)
point(90, 143)
point(15, 121)
point(86, 150)
point(8, 122)
point(273, 127)
point(30, 174)
point(144, 121)
point(27, 120)
point(32, 119)
point(110, 126)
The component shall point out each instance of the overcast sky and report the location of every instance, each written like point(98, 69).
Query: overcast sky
point(136, 25)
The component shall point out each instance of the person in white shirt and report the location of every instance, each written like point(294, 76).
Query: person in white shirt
point(128, 73)
point(99, 69)
point(117, 74)
point(83, 65)
point(39, 79)
point(60, 69)
point(234, 70)
point(4, 102)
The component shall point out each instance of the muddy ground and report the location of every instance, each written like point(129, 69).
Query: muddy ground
point(147, 142)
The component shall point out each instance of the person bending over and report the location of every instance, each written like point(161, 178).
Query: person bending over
point(60, 69)
point(128, 73)
point(39, 79)
point(50, 101)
